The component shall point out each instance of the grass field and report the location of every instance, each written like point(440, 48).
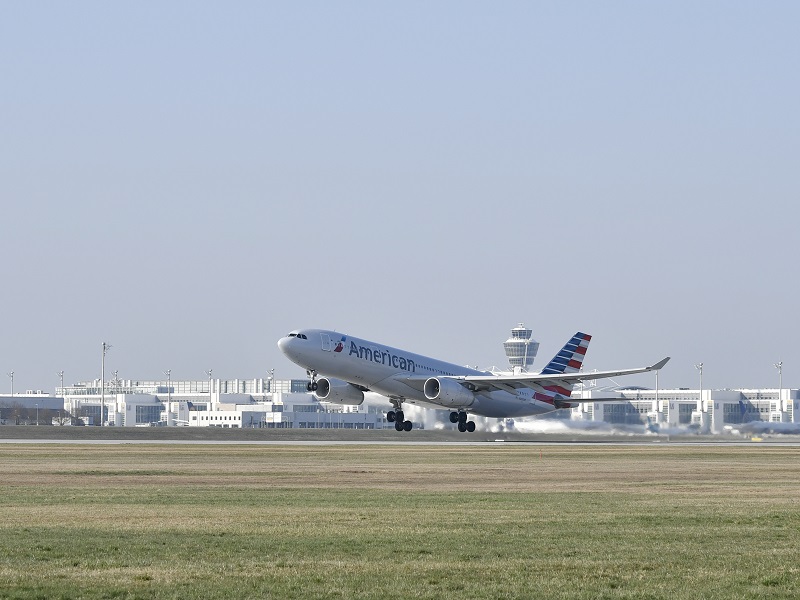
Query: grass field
point(500, 521)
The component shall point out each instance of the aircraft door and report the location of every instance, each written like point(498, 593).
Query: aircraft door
point(326, 342)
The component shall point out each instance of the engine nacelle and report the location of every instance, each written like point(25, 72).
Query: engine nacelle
point(448, 393)
point(338, 391)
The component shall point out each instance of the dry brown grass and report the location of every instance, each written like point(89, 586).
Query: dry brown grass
point(396, 521)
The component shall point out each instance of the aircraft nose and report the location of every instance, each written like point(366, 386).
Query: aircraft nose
point(290, 347)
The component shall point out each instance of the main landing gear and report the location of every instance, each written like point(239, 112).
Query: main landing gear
point(397, 417)
point(460, 417)
point(311, 386)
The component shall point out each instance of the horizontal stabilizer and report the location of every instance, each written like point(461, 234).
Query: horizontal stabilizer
point(586, 400)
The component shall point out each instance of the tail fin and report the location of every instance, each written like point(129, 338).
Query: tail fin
point(570, 359)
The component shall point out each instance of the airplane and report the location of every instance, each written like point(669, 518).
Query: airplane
point(342, 367)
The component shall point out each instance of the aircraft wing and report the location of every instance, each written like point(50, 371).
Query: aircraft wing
point(562, 382)
point(538, 380)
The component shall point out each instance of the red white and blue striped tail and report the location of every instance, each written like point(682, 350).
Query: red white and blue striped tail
point(570, 359)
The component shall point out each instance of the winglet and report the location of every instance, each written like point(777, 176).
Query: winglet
point(658, 365)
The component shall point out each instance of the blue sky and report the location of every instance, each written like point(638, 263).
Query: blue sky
point(189, 181)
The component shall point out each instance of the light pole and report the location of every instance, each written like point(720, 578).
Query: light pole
point(61, 377)
point(658, 407)
point(37, 414)
point(209, 387)
point(699, 367)
point(271, 379)
point(168, 373)
point(779, 366)
point(106, 348)
point(11, 374)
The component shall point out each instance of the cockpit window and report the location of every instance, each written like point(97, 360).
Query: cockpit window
point(302, 336)
point(292, 335)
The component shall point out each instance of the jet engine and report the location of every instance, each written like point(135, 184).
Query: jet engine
point(338, 391)
point(448, 392)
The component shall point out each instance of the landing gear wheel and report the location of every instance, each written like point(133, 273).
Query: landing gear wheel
point(311, 386)
point(470, 426)
point(462, 417)
point(454, 417)
point(397, 417)
point(462, 426)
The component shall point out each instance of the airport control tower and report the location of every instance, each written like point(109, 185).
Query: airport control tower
point(521, 349)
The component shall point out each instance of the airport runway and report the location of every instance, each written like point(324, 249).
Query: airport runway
point(474, 443)
point(320, 437)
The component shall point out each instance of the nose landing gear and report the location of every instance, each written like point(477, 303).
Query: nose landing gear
point(311, 386)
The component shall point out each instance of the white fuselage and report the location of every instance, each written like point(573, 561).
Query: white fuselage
point(397, 373)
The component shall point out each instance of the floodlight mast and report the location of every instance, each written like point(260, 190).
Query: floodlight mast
point(61, 377)
point(106, 348)
point(11, 374)
point(699, 367)
point(209, 387)
point(658, 408)
point(168, 373)
point(779, 365)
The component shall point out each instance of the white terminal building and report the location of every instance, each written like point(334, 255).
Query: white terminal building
point(236, 403)
point(706, 411)
point(270, 403)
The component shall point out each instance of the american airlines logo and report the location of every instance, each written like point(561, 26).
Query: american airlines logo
point(382, 357)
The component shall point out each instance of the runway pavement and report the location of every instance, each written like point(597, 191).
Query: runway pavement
point(208, 435)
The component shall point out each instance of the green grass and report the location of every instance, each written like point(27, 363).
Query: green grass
point(398, 522)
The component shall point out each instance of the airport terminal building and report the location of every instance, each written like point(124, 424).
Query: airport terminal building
point(260, 403)
point(706, 411)
point(237, 403)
